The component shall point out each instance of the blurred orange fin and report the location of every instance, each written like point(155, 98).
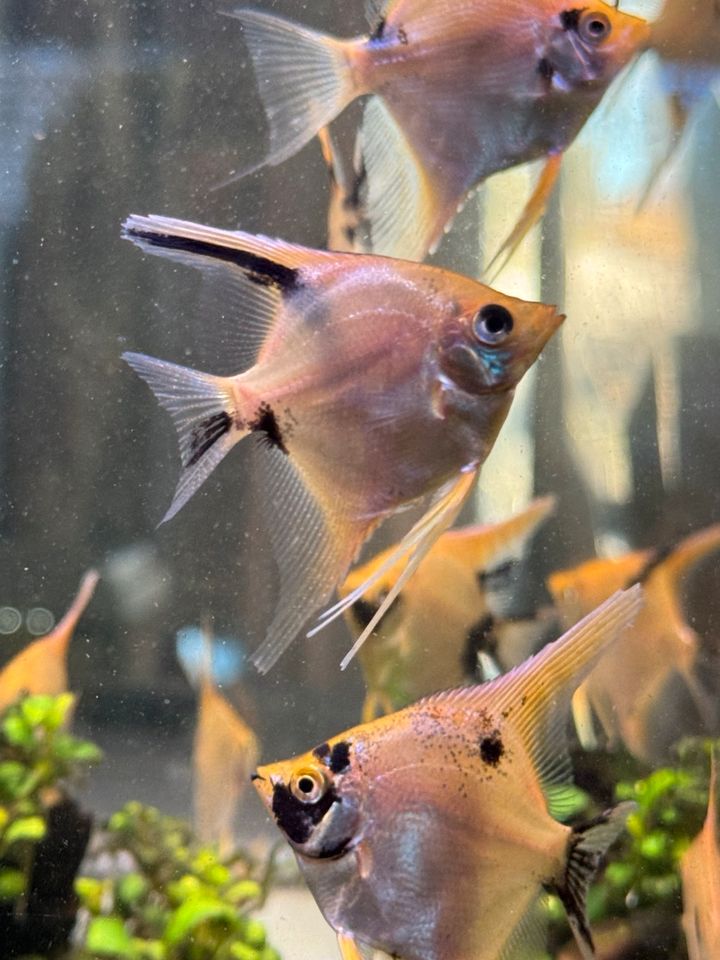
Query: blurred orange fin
point(691, 551)
point(483, 546)
point(534, 210)
point(678, 122)
point(41, 668)
point(349, 949)
point(415, 546)
point(225, 752)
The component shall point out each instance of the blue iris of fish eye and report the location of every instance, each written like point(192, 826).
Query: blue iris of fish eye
point(492, 323)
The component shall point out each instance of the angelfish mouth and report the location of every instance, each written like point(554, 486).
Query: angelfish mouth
point(256, 776)
point(333, 852)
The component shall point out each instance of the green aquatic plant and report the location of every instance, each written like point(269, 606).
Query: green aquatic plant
point(157, 893)
point(38, 759)
point(43, 833)
point(641, 885)
point(178, 900)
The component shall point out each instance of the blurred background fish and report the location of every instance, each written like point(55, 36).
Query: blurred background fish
point(630, 691)
point(700, 869)
point(686, 39)
point(462, 91)
point(372, 384)
point(454, 610)
point(41, 668)
point(225, 749)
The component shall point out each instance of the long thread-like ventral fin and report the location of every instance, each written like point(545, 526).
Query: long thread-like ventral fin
point(587, 846)
point(415, 546)
point(202, 409)
point(303, 77)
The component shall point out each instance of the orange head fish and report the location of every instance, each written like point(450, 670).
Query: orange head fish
point(462, 90)
point(376, 383)
point(42, 666)
point(686, 39)
point(700, 870)
point(225, 751)
point(625, 690)
point(451, 611)
point(429, 833)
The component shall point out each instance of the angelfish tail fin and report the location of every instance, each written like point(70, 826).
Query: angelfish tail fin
point(587, 846)
point(304, 79)
point(203, 409)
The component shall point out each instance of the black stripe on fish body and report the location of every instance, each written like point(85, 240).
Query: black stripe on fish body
point(570, 19)
point(337, 759)
point(297, 819)
point(479, 638)
point(546, 69)
point(340, 757)
point(266, 423)
point(207, 433)
point(657, 559)
point(353, 201)
point(364, 611)
point(261, 270)
point(501, 573)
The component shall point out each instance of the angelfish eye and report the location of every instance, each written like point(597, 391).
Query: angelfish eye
point(308, 785)
point(594, 27)
point(492, 323)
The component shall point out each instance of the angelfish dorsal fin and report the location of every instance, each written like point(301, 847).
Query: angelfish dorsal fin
point(537, 694)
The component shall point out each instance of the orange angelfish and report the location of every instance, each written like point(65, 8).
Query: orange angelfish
point(700, 870)
point(686, 38)
point(375, 383)
point(41, 668)
point(429, 833)
point(449, 613)
point(225, 751)
point(461, 91)
point(625, 690)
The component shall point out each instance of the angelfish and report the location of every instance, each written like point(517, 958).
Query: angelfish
point(429, 833)
point(686, 39)
point(461, 91)
point(453, 611)
point(625, 690)
point(700, 870)
point(370, 383)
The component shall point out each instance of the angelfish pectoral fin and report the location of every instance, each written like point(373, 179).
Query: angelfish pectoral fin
point(201, 406)
point(313, 543)
point(586, 848)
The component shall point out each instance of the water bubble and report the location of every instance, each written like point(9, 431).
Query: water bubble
point(10, 620)
point(39, 621)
